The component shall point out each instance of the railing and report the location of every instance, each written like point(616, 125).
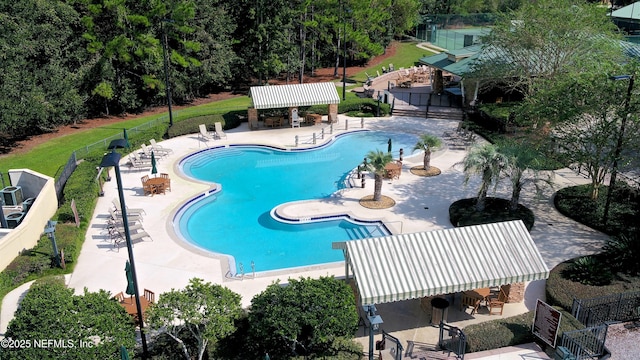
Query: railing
point(327, 131)
point(586, 343)
point(452, 339)
point(597, 311)
point(68, 169)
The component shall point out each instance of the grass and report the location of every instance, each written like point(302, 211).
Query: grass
point(49, 157)
point(407, 55)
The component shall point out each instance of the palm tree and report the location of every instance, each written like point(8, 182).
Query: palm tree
point(427, 143)
point(376, 161)
point(486, 161)
point(520, 168)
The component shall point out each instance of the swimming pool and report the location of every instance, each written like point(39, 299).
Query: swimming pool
point(237, 221)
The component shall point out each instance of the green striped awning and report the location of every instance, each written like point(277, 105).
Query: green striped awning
point(284, 96)
point(408, 266)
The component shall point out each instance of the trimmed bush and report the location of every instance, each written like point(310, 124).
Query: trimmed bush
point(191, 126)
point(511, 331)
point(561, 291)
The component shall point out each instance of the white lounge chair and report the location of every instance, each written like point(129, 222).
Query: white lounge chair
point(219, 133)
point(117, 217)
point(130, 211)
point(136, 162)
point(159, 148)
point(295, 119)
point(204, 134)
point(146, 152)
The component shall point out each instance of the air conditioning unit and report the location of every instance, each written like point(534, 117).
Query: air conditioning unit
point(14, 219)
point(12, 195)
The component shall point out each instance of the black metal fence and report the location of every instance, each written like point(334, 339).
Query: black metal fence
point(452, 340)
point(600, 310)
point(67, 170)
point(586, 343)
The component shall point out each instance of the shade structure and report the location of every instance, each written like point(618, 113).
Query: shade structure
point(124, 354)
point(130, 288)
point(154, 168)
point(409, 266)
point(283, 96)
point(389, 145)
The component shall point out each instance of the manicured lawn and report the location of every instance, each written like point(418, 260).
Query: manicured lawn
point(48, 158)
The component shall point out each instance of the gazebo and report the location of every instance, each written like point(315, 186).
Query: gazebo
point(292, 96)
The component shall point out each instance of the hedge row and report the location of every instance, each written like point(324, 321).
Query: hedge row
point(511, 331)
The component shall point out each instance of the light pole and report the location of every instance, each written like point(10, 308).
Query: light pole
point(620, 140)
point(113, 159)
point(374, 324)
point(344, 52)
point(165, 45)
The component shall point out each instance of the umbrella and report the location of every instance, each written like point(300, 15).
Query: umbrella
point(124, 354)
point(154, 169)
point(130, 288)
point(389, 145)
point(126, 137)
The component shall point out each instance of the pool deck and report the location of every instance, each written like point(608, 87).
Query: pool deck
point(166, 262)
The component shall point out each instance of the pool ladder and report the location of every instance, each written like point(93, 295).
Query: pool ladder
point(242, 274)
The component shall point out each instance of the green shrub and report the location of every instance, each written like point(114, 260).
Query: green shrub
point(191, 126)
point(589, 270)
point(499, 333)
point(511, 331)
point(561, 291)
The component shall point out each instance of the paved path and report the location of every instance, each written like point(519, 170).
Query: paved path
point(422, 205)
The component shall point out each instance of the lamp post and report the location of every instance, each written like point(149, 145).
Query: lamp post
point(618, 149)
point(113, 159)
point(374, 324)
point(50, 230)
point(165, 45)
point(344, 53)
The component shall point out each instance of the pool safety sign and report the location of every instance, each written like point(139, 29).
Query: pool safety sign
point(546, 322)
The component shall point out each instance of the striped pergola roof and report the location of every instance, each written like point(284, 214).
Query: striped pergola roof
point(283, 96)
point(408, 266)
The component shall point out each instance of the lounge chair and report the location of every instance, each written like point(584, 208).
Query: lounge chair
point(130, 211)
point(391, 68)
point(119, 237)
point(295, 119)
point(118, 217)
point(219, 133)
point(204, 134)
point(159, 148)
point(136, 162)
point(146, 152)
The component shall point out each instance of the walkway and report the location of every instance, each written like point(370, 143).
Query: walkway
point(422, 205)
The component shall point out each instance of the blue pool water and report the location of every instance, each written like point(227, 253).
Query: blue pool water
point(237, 221)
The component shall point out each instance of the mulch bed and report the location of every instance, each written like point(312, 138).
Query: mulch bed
point(385, 202)
point(420, 171)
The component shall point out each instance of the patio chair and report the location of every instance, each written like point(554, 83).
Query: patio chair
point(204, 133)
point(295, 119)
point(146, 187)
point(159, 148)
point(149, 295)
point(167, 181)
point(391, 68)
point(497, 304)
point(470, 302)
point(119, 297)
point(219, 133)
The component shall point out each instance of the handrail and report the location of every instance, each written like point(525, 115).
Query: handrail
point(395, 222)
